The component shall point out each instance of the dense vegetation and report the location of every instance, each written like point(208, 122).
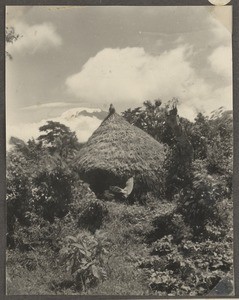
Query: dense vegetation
point(63, 240)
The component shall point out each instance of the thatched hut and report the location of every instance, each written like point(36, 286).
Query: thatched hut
point(118, 150)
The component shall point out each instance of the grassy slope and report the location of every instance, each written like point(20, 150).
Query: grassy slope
point(125, 228)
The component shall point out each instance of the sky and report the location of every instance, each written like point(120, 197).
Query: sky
point(79, 56)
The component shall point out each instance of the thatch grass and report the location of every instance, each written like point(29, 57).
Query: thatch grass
point(118, 150)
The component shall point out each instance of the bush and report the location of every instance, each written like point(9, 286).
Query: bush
point(163, 246)
point(41, 188)
point(83, 257)
point(201, 204)
point(93, 215)
point(171, 223)
point(209, 255)
point(52, 191)
point(178, 172)
point(89, 211)
point(18, 181)
point(82, 196)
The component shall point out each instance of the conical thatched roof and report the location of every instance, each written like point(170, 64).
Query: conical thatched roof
point(118, 150)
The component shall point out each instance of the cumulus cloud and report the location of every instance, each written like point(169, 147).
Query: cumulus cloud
point(131, 75)
point(221, 61)
point(34, 38)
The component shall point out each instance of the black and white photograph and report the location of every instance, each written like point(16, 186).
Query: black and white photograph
point(119, 150)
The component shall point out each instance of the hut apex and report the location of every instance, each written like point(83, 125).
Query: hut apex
point(111, 110)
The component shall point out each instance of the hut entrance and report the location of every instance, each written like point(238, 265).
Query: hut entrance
point(101, 180)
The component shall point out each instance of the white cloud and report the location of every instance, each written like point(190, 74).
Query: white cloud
point(221, 61)
point(33, 38)
point(84, 126)
point(129, 76)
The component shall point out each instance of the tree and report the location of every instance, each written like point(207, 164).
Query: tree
point(199, 136)
point(11, 36)
point(58, 138)
point(151, 118)
point(179, 159)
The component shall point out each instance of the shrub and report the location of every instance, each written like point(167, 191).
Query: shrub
point(178, 172)
point(38, 188)
point(52, 192)
point(170, 223)
point(201, 203)
point(89, 211)
point(83, 257)
point(18, 183)
point(82, 196)
point(163, 246)
point(209, 255)
point(93, 215)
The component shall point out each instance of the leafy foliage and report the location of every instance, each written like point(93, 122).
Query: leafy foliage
point(171, 223)
point(38, 182)
point(187, 268)
point(151, 118)
point(52, 192)
point(92, 216)
point(178, 173)
point(84, 259)
point(200, 203)
point(210, 137)
point(39, 233)
point(10, 36)
point(58, 138)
